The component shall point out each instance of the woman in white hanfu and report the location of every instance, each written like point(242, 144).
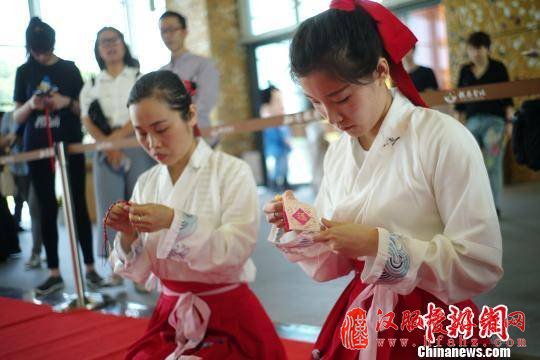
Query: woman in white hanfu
point(405, 189)
point(191, 223)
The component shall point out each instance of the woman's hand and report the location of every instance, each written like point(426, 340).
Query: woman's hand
point(150, 217)
point(8, 140)
point(57, 101)
point(37, 102)
point(273, 210)
point(508, 129)
point(114, 158)
point(349, 239)
point(509, 126)
point(119, 220)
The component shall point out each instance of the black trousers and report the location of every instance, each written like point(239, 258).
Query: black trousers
point(42, 179)
point(9, 240)
point(23, 185)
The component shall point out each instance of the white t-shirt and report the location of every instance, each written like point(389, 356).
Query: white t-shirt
point(112, 93)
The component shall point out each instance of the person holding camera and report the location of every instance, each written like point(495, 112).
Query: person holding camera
point(105, 115)
point(46, 94)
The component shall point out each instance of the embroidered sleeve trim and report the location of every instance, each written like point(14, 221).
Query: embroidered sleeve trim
point(188, 226)
point(135, 250)
point(398, 263)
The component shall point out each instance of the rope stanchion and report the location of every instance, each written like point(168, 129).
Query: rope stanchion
point(70, 224)
point(482, 92)
point(82, 299)
point(432, 98)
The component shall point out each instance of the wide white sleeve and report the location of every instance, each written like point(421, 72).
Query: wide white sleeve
point(85, 98)
point(224, 248)
point(466, 258)
point(318, 260)
point(135, 264)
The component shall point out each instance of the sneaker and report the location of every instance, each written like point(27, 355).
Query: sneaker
point(93, 280)
point(114, 280)
point(34, 262)
point(52, 284)
point(15, 255)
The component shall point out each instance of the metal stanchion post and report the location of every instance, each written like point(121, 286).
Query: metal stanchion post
point(60, 150)
point(82, 299)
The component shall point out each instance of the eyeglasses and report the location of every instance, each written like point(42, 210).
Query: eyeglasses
point(170, 30)
point(109, 41)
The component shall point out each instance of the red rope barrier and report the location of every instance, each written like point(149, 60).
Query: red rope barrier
point(49, 135)
point(106, 246)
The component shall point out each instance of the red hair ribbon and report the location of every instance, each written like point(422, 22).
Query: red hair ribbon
point(397, 40)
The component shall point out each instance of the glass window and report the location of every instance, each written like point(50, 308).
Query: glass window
point(273, 68)
point(14, 19)
point(76, 34)
point(265, 16)
point(147, 45)
point(309, 8)
point(429, 26)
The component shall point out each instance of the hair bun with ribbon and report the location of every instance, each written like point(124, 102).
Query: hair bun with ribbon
point(397, 41)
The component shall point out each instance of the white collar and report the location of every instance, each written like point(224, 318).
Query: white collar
point(200, 155)
point(394, 123)
point(126, 71)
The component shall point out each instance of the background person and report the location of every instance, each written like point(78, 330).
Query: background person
point(46, 94)
point(276, 140)
point(488, 120)
point(115, 171)
point(199, 73)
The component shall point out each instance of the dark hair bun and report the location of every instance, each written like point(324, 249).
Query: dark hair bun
point(40, 36)
point(165, 86)
point(345, 44)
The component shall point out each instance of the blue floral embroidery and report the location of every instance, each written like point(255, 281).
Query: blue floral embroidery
point(179, 251)
point(398, 263)
point(188, 226)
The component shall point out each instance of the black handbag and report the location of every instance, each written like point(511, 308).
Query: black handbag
point(95, 112)
point(526, 134)
point(98, 117)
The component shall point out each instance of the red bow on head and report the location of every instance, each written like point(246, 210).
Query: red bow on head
point(190, 88)
point(397, 40)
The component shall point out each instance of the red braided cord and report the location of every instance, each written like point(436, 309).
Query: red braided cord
point(106, 246)
point(49, 135)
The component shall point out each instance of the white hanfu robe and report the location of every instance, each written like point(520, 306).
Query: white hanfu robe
point(424, 185)
point(215, 224)
point(202, 261)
